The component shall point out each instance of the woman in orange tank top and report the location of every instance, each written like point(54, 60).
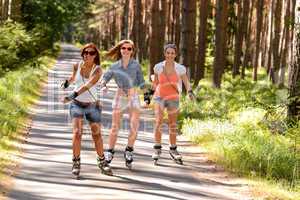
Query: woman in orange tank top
point(169, 76)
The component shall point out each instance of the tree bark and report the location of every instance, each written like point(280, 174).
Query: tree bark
point(188, 30)
point(247, 35)
point(16, 10)
point(202, 34)
point(124, 29)
point(239, 38)
point(275, 43)
point(221, 25)
point(177, 24)
point(294, 84)
point(154, 36)
point(259, 22)
point(285, 56)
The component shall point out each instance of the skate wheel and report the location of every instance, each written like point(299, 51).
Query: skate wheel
point(129, 166)
point(108, 173)
point(179, 162)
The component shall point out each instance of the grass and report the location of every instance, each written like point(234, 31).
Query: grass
point(18, 91)
point(243, 126)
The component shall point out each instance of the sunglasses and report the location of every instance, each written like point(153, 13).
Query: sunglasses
point(91, 53)
point(128, 48)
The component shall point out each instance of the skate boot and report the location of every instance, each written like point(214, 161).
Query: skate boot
point(128, 155)
point(103, 166)
point(175, 155)
point(76, 166)
point(109, 155)
point(156, 154)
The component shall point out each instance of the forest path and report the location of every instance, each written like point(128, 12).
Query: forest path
point(45, 165)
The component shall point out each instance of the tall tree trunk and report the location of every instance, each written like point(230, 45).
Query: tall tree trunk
point(270, 36)
point(169, 20)
point(247, 36)
point(5, 9)
point(161, 27)
point(124, 29)
point(154, 36)
point(176, 14)
point(187, 43)
point(294, 83)
point(136, 27)
point(239, 38)
point(259, 22)
point(285, 56)
point(221, 26)
point(202, 33)
point(16, 10)
point(264, 37)
point(275, 44)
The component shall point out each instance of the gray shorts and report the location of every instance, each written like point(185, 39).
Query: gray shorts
point(91, 113)
point(166, 103)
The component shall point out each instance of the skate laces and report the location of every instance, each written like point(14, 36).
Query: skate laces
point(109, 155)
point(76, 163)
point(102, 163)
point(128, 155)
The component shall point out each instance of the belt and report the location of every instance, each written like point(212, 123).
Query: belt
point(83, 104)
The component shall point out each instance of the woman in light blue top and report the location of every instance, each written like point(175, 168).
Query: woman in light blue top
point(128, 76)
point(84, 103)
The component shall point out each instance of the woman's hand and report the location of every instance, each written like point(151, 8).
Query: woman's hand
point(69, 98)
point(191, 95)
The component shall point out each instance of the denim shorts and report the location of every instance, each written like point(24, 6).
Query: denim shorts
point(166, 103)
point(91, 113)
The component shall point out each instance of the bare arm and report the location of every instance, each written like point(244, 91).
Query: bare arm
point(186, 82)
point(92, 81)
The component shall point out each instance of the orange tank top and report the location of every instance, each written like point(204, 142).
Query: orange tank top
point(167, 87)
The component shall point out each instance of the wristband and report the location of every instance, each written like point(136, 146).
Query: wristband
point(66, 84)
point(73, 95)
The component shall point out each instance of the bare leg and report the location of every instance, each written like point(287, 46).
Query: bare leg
point(159, 114)
point(134, 125)
point(77, 133)
point(172, 119)
point(97, 137)
point(116, 120)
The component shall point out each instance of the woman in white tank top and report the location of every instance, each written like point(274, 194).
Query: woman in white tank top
point(84, 103)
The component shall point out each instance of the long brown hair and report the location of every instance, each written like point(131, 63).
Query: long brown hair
point(93, 46)
point(115, 51)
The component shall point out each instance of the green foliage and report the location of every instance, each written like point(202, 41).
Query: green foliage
point(18, 45)
point(54, 15)
point(244, 126)
point(18, 90)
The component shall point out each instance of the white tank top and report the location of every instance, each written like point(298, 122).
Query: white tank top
point(87, 95)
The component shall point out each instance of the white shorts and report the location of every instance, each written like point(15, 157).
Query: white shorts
point(122, 102)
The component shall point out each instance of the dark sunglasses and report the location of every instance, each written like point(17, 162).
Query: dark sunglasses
point(91, 53)
point(128, 48)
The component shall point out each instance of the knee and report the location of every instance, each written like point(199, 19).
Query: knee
point(96, 136)
point(172, 126)
point(77, 133)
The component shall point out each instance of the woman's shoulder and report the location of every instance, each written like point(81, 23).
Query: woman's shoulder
point(158, 68)
point(180, 69)
point(115, 64)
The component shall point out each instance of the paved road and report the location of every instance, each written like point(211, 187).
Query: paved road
point(45, 165)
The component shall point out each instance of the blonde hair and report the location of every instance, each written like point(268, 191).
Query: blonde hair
point(115, 51)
